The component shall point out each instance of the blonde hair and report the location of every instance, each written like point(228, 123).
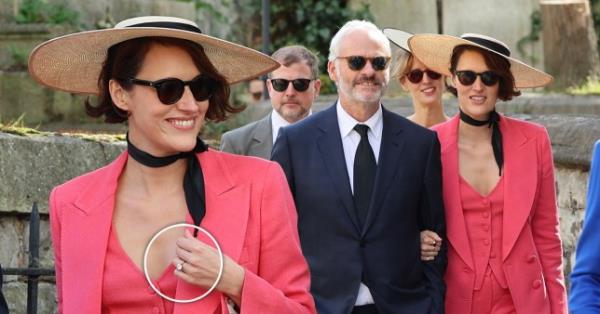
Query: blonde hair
point(404, 62)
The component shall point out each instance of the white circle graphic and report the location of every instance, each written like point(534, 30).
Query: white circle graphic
point(221, 261)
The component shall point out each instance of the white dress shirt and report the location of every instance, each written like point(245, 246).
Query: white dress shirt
point(277, 122)
point(350, 141)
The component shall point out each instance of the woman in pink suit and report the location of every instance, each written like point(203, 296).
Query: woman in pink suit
point(504, 248)
point(165, 78)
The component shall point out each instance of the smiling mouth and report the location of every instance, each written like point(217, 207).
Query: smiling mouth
point(478, 99)
point(182, 124)
point(428, 90)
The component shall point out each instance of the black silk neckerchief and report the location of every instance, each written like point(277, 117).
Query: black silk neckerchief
point(492, 122)
point(193, 181)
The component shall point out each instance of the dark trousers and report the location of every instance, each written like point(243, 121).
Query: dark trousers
point(365, 309)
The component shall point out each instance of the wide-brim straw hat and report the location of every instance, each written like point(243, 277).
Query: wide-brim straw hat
point(398, 37)
point(435, 50)
point(73, 62)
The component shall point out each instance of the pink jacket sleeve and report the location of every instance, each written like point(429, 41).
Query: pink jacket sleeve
point(55, 234)
point(545, 228)
point(283, 280)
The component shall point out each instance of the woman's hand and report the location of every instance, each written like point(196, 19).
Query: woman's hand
point(199, 265)
point(430, 245)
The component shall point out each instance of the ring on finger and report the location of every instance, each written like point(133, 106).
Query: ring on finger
point(179, 266)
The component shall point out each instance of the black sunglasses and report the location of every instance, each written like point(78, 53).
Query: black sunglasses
point(170, 90)
point(415, 76)
point(488, 78)
point(281, 85)
point(356, 63)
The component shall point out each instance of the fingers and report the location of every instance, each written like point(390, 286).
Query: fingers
point(431, 244)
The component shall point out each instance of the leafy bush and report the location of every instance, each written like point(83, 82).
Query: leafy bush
point(40, 11)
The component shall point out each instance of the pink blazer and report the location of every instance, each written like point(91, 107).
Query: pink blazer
point(250, 211)
point(531, 245)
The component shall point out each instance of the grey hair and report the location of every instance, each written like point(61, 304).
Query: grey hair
point(351, 26)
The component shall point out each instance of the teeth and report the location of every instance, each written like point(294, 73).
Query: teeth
point(183, 123)
point(427, 90)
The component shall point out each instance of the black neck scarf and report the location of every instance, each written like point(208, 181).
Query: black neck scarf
point(492, 122)
point(193, 181)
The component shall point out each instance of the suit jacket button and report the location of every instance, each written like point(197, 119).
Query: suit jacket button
point(536, 284)
point(466, 270)
point(531, 259)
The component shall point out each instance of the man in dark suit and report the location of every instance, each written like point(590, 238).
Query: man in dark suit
point(293, 88)
point(365, 182)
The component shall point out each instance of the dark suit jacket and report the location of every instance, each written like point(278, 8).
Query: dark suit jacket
point(3, 305)
point(385, 254)
point(254, 139)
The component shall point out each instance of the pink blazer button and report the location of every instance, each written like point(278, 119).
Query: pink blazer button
point(536, 284)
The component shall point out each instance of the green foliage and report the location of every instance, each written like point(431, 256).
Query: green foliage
point(19, 57)
point(209, 8)
point(327, 85)
point(532, 37)
point(590, 87)
point(311, 23)
point(40, 11)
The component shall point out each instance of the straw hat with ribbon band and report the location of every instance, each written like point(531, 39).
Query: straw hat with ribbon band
point(73, 62)
point(398, 37)
point(435, 51)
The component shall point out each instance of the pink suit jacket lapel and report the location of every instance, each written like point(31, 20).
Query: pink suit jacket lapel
point(455, 219)
point(226, 218)
point(227, 213)
point(85, 239)
point(520, 182)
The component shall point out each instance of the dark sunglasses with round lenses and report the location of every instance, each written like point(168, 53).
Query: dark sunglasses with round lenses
point(170, 90)
point(488, 78)
point(357, 63)
point(416, 76)
point(281, 85)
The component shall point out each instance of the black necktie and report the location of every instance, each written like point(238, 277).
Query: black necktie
point(364, 174)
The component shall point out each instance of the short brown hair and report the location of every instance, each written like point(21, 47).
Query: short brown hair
point(496, 63)
point(125, 59)
point(289, 55)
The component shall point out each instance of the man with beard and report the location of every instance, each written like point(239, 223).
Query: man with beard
point(365, 182)
point(293, 88)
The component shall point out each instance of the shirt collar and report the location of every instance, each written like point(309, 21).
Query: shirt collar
point(347, 122)
point(277, 122)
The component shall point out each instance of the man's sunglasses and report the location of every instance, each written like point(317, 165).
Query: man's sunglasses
point(356, 63)
point(281, 85)
point(170, 90)
point(488, 78)
point(416, 76)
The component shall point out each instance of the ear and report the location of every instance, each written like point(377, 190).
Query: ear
point(119, 95)
point(317, 85)
point(331, 69)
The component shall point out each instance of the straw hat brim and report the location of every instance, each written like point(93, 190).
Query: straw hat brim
point(73, 62)
point(398, 37)
point(435, 50)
